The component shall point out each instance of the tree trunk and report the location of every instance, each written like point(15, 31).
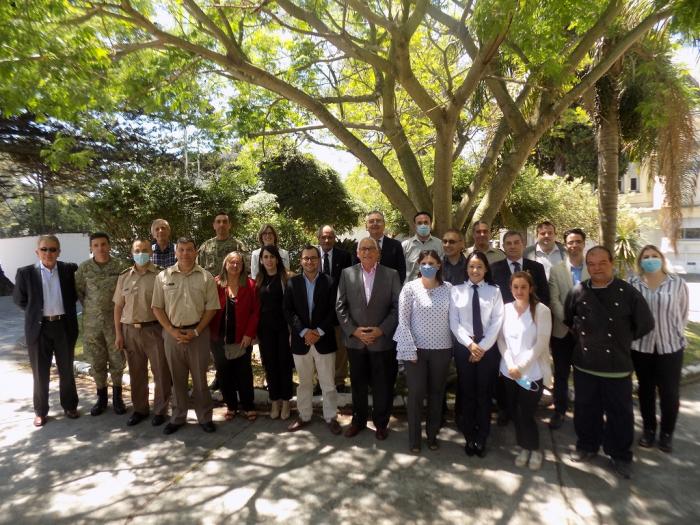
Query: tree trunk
point(442, 179)
point(608, 145)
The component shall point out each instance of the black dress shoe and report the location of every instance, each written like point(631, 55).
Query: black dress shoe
point(580, 456)
point(208, 427)
point(469, 448)
point(622, 468)
point(135, 419)
point(39, 421)
point(665, 442)
point(381, 433)
point(158, 420)
point(647, 439)
point(479, 449)
point(72, 414)
point(556, 420)
point(353, 430)
point(171, 428)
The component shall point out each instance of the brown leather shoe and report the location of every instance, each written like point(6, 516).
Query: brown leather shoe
point(39, 421)
point(353, 430)
point(72, 414)
point(297, 424)
point(334, 427)
point(381, 433)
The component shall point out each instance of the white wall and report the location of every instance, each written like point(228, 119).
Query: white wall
point(19, 251)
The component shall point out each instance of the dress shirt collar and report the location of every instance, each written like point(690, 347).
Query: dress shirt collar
point(479, 284)
point(510, 264)
point(372, 270)
point(195, 268)
point(311, 281)
point(43, 268)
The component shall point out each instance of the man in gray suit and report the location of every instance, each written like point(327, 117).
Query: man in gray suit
point(563, 277)
point(368, 295)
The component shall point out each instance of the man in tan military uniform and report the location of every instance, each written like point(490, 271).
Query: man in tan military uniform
point(212, 252)
point(481, 232)
point(95, 282)
point(185, 300)
point(141, 336)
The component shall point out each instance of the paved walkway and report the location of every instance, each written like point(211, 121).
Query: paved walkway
point(96, 470)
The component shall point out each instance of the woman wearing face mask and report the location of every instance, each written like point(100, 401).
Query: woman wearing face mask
point(476, 316)
point(658, 356)
point(266, 236)
point(232, 332)
point(524, 345)
point(424, 343)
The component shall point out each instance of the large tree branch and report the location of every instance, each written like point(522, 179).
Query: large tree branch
point(363, 9)
point(312, 127)
point(606, 63)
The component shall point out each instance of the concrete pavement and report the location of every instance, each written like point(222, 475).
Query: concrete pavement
point(97, 470)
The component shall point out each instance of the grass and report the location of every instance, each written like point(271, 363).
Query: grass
point(692, 351)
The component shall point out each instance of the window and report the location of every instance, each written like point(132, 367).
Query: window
point(690, 233)
point(633, 184)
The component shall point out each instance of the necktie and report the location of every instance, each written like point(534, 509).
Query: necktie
point(476, 316)
point(326, 264)
point(516, 267)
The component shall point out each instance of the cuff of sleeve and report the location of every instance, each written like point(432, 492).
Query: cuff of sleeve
point(320, 332)
point(406, 354)
point(303, 332)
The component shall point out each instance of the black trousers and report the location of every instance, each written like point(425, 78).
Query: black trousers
point(375, 370)
point(662, 372)
point(53, 341)
point(426, 377)
point(562, 355)
point(603, 414)
point(476, 389)
point(277, 361)
point(522, 405)
point(236, 377)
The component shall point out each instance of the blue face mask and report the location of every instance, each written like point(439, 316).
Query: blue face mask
point(651, 265)
point(526, 383)
point(141, 258)
point(429, 272)
point(423, 230)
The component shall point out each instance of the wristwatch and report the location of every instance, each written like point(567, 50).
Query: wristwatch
point(196, 333)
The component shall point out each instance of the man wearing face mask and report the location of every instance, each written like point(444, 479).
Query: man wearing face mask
point(421, 241)
point(139, 334)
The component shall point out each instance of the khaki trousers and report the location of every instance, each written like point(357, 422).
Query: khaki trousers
point(183, 360)
point(325, 367)
point(143, 345)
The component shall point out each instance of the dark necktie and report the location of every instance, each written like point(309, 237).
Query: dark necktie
point(326, 264)
point(476, 315)
point(516, 267)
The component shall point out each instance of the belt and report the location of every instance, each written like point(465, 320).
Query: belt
point(52, 318)
point(143, 325)
point(187, 327)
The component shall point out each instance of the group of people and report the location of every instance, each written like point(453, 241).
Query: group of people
point(422, 304)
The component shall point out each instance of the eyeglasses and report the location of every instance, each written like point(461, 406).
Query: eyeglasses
point(449, 241)
point(50, 250)
point(367, 248)
point(309, 259)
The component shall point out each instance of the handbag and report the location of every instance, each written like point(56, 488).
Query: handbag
point(231, 350)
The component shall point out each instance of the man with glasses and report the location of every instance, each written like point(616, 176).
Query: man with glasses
point(46, 292)
point(309, 307)
point(391, 251)
point(454, 264)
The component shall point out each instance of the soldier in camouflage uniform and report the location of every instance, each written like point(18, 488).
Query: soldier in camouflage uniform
point(95, 282)
point(211, 256)
point(212, 252)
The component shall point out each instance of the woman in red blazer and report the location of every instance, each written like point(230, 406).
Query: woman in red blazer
point(232, 332)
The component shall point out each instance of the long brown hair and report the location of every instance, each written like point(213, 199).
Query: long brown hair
point(532, 296)
point(262, 272)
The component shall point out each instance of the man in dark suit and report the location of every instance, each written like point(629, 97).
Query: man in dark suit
point(514, 246)
point(309, 307)
point(46, 293)
point(390, 249)
point(333, 261)
point(368, 296)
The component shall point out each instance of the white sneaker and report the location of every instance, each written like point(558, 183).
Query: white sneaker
point(275, 410)
point(535, 460)
point(522, 458)
point(285, 410)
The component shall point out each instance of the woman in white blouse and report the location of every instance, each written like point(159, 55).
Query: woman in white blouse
point(424, 344)
point(266, 236)
point(658, 356)
point(524, 344)
point(476, 316)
